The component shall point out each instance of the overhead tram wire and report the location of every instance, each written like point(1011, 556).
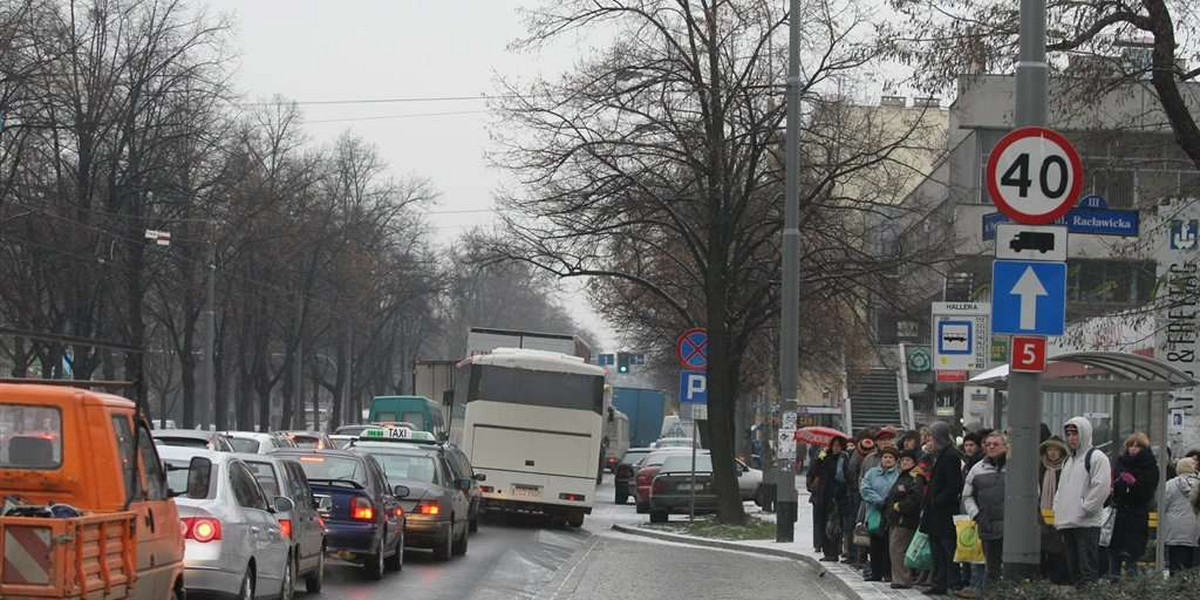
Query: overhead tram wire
point(401, 100)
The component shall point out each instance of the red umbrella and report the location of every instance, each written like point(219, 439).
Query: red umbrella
point(818, 436)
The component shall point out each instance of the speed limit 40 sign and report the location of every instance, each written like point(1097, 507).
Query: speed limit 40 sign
point(1034, 175)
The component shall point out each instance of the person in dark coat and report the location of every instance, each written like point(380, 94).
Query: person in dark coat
point(827, 485)
point(904, 516)
point(864, 456)
point(941, 504)
point(1135, 481)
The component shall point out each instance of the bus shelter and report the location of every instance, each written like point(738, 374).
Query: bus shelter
point(1124, 389)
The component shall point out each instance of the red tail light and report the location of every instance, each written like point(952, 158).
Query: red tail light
point(646, 476)
point(201, 529)
point(571, 497)
point(431, 509)
point(361, 509)
point(487, 489)
point(286, 526)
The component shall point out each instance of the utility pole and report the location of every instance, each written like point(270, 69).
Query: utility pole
point(1022, 542)
point(786, 504)
point(210, 334)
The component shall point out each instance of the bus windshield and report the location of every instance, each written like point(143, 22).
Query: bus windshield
point(537, 388)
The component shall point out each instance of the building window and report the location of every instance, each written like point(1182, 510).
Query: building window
point(1110, 282)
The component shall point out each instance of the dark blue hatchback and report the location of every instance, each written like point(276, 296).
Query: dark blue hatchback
point(363, 518)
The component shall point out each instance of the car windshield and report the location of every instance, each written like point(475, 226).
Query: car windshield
point(247, 445)
point(308, 442)
point(264, 472)
point(321, 467)
point(182, 442)
point(410, 466)
point(683, 462)
point(675, 443)
point(633, 456)
point(30, 437)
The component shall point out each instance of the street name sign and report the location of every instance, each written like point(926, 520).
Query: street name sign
point(961, 338)
point(1034, 175)
point(1029, 297)
point(1031, 242)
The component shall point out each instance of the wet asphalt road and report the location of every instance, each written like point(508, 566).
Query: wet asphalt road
point(526, 559)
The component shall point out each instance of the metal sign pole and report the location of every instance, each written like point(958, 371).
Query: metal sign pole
point(692, 500)
point(1022, 543)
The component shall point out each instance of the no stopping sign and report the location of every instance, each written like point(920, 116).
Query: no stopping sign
point(1034, 175)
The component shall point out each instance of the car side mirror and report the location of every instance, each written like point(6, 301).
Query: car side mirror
point(401, 491)
point(199, 477)
point(480, 477)
point(464, 484)
point(283, 504)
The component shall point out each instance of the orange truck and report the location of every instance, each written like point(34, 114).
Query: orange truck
point(86, 510)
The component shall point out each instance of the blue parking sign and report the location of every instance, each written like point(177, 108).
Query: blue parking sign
point(693, 387)
point(1029, 297)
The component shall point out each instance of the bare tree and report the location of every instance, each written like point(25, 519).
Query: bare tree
point(655, 165)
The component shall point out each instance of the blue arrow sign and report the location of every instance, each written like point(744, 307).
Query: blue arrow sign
point(1029, 297)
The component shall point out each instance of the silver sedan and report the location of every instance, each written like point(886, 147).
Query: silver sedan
point(234, 543)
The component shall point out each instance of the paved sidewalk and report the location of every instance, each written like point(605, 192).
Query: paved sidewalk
point(801, 549)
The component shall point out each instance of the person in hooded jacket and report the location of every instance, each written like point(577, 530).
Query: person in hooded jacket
point(1078, 502)
point(941, 504)
point(904, 516)
point(1180, 526)
point(1135, 481)
point(876, 486)
point(1054, 453)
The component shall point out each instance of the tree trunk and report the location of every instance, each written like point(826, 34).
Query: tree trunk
point(187, 377)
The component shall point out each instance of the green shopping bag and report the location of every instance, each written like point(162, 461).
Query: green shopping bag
point(919, 556)
point(874, 520)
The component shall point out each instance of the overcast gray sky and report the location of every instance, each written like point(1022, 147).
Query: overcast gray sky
point(321, 50)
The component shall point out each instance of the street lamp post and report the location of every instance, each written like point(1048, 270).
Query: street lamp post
point(789, 335)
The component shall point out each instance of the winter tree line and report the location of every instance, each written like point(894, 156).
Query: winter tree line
point(119, 119)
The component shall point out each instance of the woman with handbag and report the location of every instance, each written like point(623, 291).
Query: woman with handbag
point(876, 487)
point(828, 484)
point(903, 512)
point(1134, 484)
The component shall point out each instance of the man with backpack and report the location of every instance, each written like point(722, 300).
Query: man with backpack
point(1083, 487)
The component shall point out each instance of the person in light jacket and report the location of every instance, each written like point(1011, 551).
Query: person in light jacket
point(983, 500)
point(1083, 487)
point(1180, 527)
point(876, 486)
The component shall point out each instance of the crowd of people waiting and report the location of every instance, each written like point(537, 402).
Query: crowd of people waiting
point(872, 493)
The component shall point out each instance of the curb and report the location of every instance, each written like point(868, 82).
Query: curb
point(735, 546)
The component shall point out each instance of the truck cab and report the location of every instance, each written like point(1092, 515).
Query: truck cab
point(87, 488)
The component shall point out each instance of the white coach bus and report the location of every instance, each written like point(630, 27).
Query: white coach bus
point(533, 422)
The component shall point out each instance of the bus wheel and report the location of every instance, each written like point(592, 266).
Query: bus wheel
point(575, 519)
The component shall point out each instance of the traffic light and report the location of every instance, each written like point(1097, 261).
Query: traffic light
point(622, 362)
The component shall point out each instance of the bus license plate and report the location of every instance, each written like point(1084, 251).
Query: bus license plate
point(526, 491)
